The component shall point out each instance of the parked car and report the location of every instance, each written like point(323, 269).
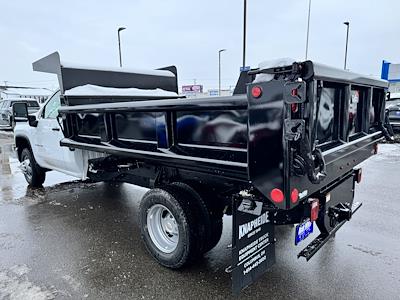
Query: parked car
point(393, 107)
point(6, 109)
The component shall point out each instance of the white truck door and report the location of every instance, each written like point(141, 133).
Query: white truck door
point(48, 136)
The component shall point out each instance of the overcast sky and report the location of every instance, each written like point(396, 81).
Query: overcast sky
point(189, 33)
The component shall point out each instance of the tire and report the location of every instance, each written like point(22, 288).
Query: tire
point(33, 173)
point(173, 241)
point(210, 216)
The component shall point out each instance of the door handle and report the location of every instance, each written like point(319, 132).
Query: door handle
point(55, 129)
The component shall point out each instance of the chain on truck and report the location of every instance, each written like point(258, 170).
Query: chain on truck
point(284, 149)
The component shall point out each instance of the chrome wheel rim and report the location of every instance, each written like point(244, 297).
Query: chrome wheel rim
point(26, 168)
point(162, 227)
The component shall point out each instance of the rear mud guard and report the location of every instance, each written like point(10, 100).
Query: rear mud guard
point(253, 241)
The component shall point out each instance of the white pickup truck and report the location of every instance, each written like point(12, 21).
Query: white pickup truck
point(38, 146)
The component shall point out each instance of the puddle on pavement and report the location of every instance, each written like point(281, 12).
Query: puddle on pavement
point(13, 186)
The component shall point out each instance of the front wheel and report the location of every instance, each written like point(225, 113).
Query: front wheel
point(33, 173)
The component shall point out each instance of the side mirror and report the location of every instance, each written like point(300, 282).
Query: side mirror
point(20, 112)
point(33, 122)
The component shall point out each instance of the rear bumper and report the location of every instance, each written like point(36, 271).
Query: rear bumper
point(321, 240)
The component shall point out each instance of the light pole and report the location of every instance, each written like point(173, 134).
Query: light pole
point(347, 43)
point(308, 27)
point(244, 32)
point(219, 71)
point(119, 45)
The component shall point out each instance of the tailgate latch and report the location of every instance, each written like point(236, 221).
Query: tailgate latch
point(294, 129)
point(295, 92)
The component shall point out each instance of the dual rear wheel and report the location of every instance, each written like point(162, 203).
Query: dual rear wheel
point(178, 225)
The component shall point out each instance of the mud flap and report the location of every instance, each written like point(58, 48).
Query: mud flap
point(253, 242)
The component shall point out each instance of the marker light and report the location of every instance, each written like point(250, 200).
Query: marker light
point(294, 196)
point(314, 210)
point(256, 91)
point(277, 195)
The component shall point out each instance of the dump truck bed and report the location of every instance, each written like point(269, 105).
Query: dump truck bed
point(259, 141)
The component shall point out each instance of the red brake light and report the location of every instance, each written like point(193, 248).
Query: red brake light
point(277, 195)
point(294, 196)
point(256, 91)
point(314, 210)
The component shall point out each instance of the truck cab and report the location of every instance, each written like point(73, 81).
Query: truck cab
point(38, 144)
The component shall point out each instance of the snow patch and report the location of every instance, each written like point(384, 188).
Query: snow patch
point(14, 285)
point(95, 90)
point(275, 63)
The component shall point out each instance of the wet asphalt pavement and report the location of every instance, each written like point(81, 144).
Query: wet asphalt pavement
point(74, 240)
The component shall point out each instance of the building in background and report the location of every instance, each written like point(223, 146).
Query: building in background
point(391, 72)
point(215, 92)
point(40, 94)
point(197, 91)
point(192, 90)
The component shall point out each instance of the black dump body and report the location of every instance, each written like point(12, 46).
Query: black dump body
point(310, 127)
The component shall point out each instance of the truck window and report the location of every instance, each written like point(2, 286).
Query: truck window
point(51, 108)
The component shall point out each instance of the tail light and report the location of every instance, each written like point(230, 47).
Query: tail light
point(256, 91)
point(314, 210)
point(277, 195)
point(294, 195)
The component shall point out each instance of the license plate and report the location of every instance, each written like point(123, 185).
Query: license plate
point(303, 231)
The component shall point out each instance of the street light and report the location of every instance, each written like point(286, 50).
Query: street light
point(244, 32)
point(219, 71)
point(308, 27)
point(347, 43)
point(119, 45)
